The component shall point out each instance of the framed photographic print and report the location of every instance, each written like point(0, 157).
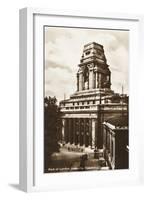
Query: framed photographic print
point(79, 113)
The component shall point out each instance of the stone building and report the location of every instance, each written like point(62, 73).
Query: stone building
point(116, 142)
point(92, 103)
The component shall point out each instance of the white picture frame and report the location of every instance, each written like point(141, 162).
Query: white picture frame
point(31, 176)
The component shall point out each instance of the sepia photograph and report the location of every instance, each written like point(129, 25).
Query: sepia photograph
point(86, 99)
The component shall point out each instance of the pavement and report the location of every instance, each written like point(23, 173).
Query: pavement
point(67, 160)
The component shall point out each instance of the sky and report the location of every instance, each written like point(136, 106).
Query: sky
point(63, 51)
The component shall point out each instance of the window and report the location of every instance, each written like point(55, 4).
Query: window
point(87, 53)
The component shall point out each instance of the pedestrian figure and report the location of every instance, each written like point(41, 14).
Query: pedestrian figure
point(83, 159)
point(96, 155)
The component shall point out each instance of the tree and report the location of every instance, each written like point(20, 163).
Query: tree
point(52, 127)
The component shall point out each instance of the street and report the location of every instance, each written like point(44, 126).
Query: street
point(66, 160)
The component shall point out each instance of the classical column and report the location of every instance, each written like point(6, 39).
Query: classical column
point(93, 133)
point(78, 137)
point(87, 140)
point(69, 130)
point(90, 132)
point(90, 79)
point(84, 135)
point(96, 79)
point(100, 80)
point(77, 82)
point(63, 130)
point(74, 130)
point(80, 81)
point(79, 131)
point(83, 83)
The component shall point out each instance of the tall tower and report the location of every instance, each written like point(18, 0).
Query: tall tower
point(93, 70)
point(84, 112)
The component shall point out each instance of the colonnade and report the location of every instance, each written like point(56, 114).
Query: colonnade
point(79, 131)
point(95, 80)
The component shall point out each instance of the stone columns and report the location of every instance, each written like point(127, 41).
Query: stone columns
point(93, 79)
point(76, 131)
point(88, 82)
point(87, 131)
point(100, 80)
point(70, 130)
point(90, 79)
point(77, 82)
point(83, 83)
point(73, 130)
point(93, 133)
point(80, 81)
point(90, 128)
point(79, 131)
point(67, 130)
point(84, 136)
point(63, 130)
point(96, 79)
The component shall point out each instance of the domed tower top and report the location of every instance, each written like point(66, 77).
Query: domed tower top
point(93, 70)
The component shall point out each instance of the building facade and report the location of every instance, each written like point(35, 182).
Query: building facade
point(92, 103)
point(116, 142)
